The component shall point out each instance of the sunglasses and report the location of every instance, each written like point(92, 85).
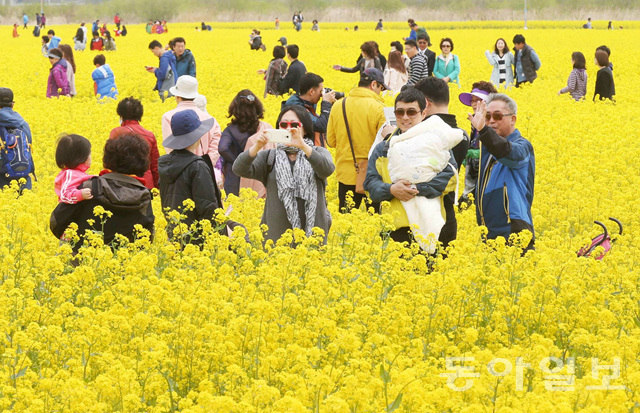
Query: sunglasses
point(497, 116)
point(411, 112)
point(289, 124)
point(446, 45)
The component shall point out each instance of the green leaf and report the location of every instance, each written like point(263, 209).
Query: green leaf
point(384, 375)
point(19, 374)
point(396, 403)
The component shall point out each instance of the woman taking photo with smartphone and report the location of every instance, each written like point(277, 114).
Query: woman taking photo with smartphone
point(294, 174)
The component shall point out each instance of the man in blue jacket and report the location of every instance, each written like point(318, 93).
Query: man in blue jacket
point(506, 172)
point(166, 71)
point(10, 119)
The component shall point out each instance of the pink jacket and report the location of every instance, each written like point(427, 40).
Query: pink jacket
point(67, 182)
point(58, 80)
point(208, 143)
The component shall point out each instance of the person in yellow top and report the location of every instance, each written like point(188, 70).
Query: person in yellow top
point(365, 115)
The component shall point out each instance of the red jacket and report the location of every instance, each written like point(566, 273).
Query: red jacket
point(133, 127)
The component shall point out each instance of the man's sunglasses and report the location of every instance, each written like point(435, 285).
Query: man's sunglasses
point(411, 112)
point(289, 124)
point(497, 116)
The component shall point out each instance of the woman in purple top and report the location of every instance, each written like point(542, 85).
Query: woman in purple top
point(58, 84)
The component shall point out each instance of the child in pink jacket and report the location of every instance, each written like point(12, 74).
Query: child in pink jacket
point(73, 156)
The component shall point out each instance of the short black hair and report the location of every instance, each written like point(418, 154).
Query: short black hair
point(411, 94)
point(99, 60)
point(293, 50)
point(434, 90)
point(302, 114)
point(279, 52)
point(154, 44)
point(518, 38)
point(179, 40)
point(51, 32)
point(72, 150)
point(130, 109)
point(95, 33)
point(398, 46)
point(605, 49)
point(410, 42)
point(309, 81)
point(126, 154)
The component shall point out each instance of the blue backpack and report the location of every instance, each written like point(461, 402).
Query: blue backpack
point(16, 160)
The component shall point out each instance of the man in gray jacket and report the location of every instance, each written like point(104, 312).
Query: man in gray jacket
point(527, 61)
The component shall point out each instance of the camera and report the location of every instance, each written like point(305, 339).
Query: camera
point(339, 95)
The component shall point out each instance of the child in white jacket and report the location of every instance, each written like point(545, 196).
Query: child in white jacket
point(418, 155)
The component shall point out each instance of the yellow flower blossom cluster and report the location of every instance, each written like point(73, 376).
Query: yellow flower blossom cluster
point(361, 324)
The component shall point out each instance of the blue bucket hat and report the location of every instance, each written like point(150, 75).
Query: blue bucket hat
point(186, 129)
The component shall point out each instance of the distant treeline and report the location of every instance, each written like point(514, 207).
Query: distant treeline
point(193, 10)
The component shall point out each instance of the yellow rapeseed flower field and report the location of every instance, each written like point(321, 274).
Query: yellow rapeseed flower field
point(358, 325)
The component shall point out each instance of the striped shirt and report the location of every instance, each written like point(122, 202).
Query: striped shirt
point(417, 69)
point(502, 67)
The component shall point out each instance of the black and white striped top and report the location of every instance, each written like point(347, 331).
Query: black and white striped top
point(503, 69)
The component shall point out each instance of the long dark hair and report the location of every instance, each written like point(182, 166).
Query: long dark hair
point(67, 53)
point(506, 47)
point(304, 117)
point(245, 111)
point(579, 61)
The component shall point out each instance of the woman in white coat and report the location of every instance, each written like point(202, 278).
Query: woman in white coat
point(502, 61)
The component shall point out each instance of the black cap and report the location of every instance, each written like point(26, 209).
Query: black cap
point(6, 96)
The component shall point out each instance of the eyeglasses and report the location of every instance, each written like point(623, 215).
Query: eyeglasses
point(290, 124)
point(497, 116)
point(411, 112)
point(445, 45)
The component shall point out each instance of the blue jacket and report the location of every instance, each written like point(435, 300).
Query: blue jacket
point(186, 64)
point(167, 60)
point(505, 183)
point(53, 43)
point(105, 81)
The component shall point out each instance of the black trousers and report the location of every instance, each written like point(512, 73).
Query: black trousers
point(357, 199)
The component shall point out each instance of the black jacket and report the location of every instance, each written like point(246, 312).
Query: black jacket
point(292, 79)
point(130, 205)
point(184, 175)
point(605, 87)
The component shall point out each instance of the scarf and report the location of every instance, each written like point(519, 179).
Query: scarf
point(301, 183)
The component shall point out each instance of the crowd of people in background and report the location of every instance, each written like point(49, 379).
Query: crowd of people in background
point(288, 163)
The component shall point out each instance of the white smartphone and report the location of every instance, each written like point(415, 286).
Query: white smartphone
point(278, 135)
